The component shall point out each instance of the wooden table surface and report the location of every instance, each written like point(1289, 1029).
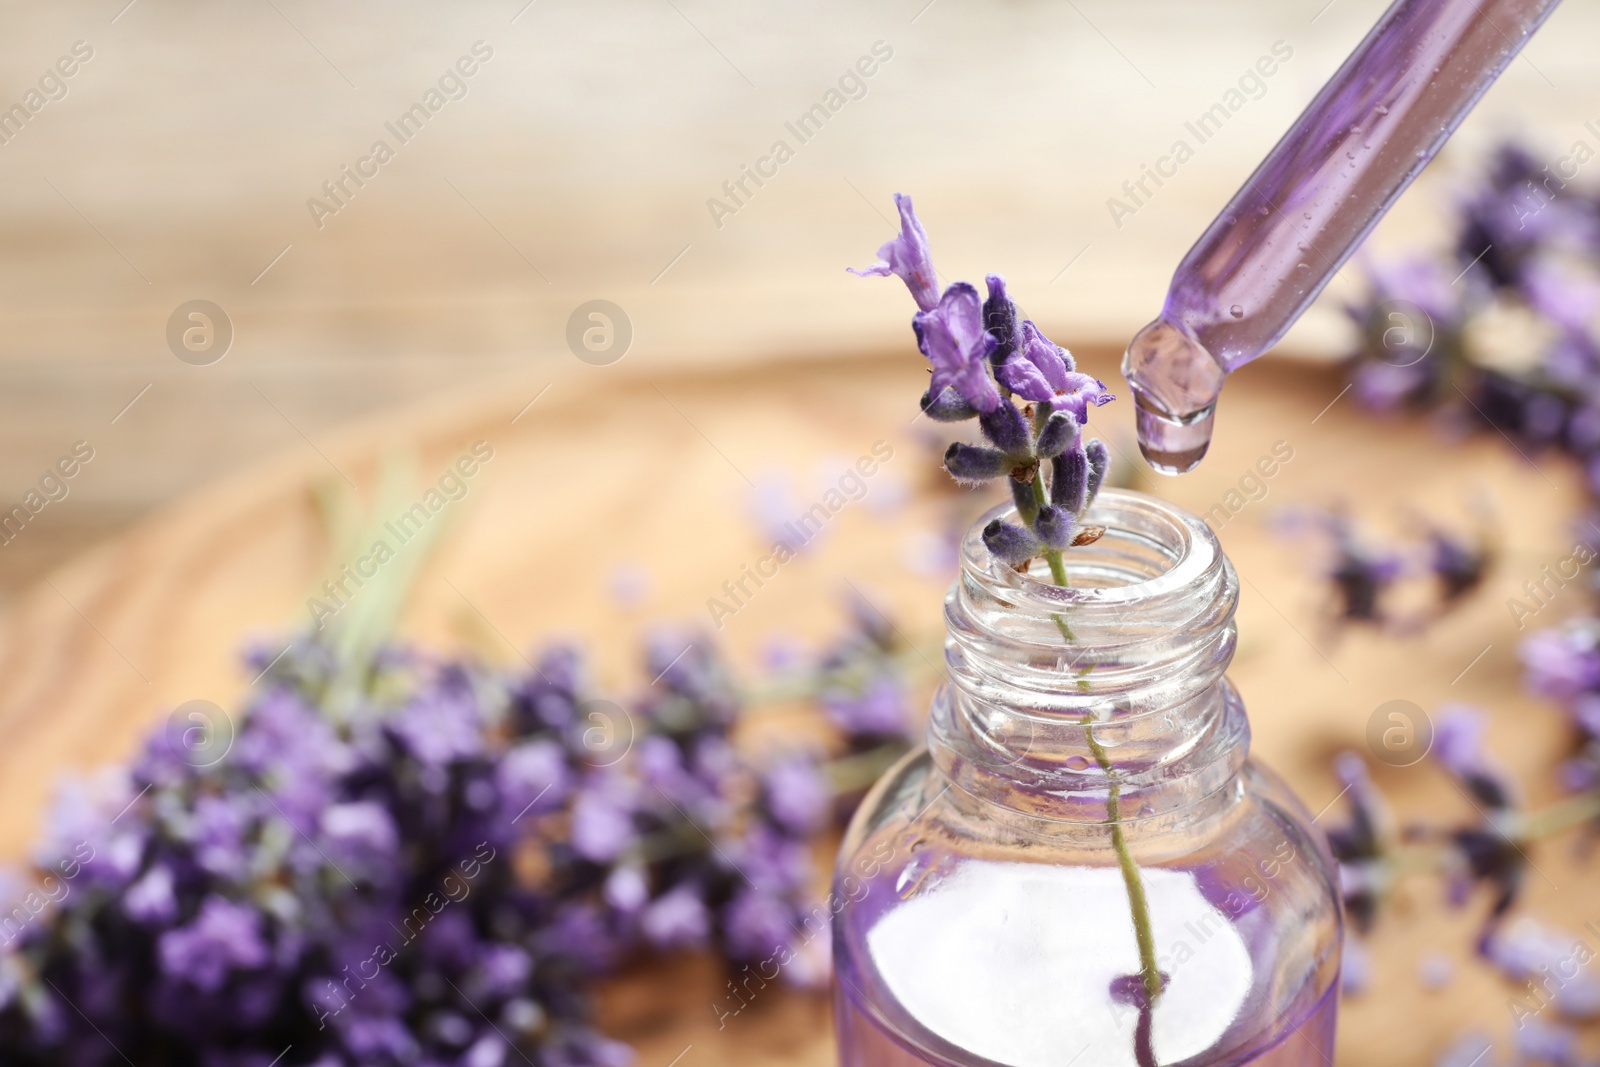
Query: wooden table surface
point(623, 465)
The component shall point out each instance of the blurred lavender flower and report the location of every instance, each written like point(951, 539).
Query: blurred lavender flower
point(1458, 565)
point(1363, 846)
point(862, 690)
point(795, 796)
point(1540, 1042)
point(1487, 852)
point(223, 937)
point(1355, 969)
point(246, 897)
point(1527, 259)
point(1359, 572)
point(1553, 964)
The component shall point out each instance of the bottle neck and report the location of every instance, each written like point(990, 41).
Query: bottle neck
point(1059, 697)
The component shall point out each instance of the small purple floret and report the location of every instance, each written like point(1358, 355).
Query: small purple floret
point(954, 340)
point(907, 258)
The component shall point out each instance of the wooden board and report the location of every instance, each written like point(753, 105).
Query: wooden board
point(627, 465)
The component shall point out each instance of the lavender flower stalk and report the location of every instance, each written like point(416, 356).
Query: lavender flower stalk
point(986, 359)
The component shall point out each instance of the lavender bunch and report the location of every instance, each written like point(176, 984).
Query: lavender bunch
point(985, 358)
point(396, 859)
point(1501, 329)
point(321, 894)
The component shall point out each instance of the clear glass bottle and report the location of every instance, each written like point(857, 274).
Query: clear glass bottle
point(983, 896)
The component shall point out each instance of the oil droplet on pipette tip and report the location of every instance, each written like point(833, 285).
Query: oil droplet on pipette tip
point(1172, 445)
point(1175, 384)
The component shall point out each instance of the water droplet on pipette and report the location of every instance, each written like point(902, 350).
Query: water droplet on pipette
point(1237, 311)
point(1302, 266)
point(1380, 109)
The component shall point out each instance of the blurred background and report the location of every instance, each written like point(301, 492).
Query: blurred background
point(578, 165)
point(537, 156)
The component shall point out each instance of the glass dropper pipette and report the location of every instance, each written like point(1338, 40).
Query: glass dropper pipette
point(1352, 152)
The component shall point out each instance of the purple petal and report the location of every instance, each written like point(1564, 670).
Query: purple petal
point(954, 340)
point(907, 258)
point(1024, 378)
point(1082, 391)
point(1050, 358)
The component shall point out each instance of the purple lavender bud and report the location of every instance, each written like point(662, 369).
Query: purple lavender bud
point(1038, 369)
point(1542, 1042)
point(1459, 566)
point(627, 889)
point(222, 937)
point(970, 464)
point(875, 708)
point(796, 795)
point(1356, 975)
point(151, 898)
point(949, 406)
point(907, 257)
point(1099, 461)
point(1015, 545)
point(1000, 316)
point(1055, 526)
point(1069, 481)
point(1060, 433)
point(1007, 428)
point(677, 919)
point(756, 925)
point(602, 824)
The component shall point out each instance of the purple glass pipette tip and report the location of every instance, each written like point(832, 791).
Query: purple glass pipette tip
point(1287, 231)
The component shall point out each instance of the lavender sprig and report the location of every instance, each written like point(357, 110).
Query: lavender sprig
point(986, 358)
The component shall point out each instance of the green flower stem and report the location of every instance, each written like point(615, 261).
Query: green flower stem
point(1137, 902)
point(1052, 556)
point(1058, 571)
point(1563, 815)
point(1130, 870)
